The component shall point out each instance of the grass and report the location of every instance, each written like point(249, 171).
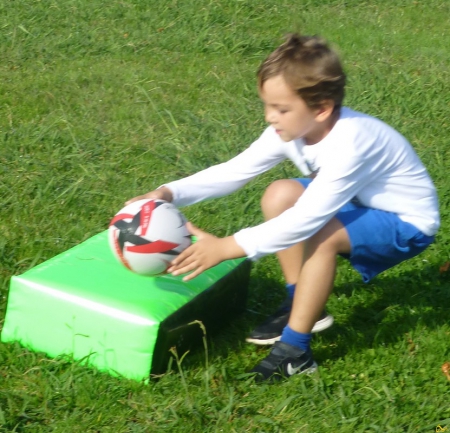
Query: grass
point(100, 103)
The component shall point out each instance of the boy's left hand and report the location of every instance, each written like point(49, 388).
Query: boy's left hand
point(205, 253)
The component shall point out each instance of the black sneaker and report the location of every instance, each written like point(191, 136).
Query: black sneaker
point(270, 330)
point(284, 361)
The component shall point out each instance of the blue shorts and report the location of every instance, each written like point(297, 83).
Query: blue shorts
point(379, 240)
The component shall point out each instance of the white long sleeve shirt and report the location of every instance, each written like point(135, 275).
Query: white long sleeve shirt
point(361, 157)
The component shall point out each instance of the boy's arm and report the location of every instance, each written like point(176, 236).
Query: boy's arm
point(223, 179)
point(343, 174)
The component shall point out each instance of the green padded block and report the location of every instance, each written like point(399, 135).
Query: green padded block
point(85, 304)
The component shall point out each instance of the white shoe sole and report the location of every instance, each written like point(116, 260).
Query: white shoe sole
point(319, 326)
point(323, 324)
point(310, 370)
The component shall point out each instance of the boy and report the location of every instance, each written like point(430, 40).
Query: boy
point(368, 198)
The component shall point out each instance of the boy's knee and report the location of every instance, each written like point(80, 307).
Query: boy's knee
point(279, 196)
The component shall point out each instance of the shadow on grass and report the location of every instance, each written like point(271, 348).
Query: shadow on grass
point(379, 313)
point(395, 307)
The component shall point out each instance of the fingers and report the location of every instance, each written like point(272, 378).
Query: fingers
point(183, 260)
point(193, 267)
point(192, 274)
point(191, 260)
point(195, 231)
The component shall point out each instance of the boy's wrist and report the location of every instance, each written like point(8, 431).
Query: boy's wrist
point(231, 249)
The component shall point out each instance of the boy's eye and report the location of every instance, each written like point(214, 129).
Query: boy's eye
point(283, 111)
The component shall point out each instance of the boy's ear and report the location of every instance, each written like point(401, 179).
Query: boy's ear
point(325, 110)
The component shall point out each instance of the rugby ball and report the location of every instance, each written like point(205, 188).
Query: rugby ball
point(146, 235)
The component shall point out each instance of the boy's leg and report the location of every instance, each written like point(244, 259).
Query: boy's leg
point(278, 197)
point(379, 241)
point(316, 278)
point(292, 355)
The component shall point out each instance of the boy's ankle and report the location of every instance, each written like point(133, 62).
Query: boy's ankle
point(296, 339)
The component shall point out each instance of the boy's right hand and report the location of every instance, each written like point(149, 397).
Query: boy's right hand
point(162, 193)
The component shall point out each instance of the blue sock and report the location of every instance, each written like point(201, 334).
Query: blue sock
point(296, 339)
point(290, 288)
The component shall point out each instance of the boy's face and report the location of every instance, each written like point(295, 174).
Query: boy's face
point(288, 113)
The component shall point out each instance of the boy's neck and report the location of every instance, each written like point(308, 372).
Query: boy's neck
point(322, 130)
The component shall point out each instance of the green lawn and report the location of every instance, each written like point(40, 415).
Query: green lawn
point(100, 102)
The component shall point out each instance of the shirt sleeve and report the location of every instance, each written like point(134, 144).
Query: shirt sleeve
point(340, 178)
point(225, 178)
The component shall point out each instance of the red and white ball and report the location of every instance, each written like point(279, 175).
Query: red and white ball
point(147, 235)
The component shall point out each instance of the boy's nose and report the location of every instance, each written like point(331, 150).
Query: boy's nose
point(270, 116)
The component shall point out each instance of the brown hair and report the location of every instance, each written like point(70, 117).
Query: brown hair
point(310, 68)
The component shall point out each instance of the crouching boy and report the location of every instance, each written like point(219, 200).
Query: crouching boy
point(364, 195)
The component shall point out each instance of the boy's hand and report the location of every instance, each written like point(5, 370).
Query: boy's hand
point(162, 193)
point(205, 253)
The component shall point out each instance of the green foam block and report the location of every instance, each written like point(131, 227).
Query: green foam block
point(83, 303)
